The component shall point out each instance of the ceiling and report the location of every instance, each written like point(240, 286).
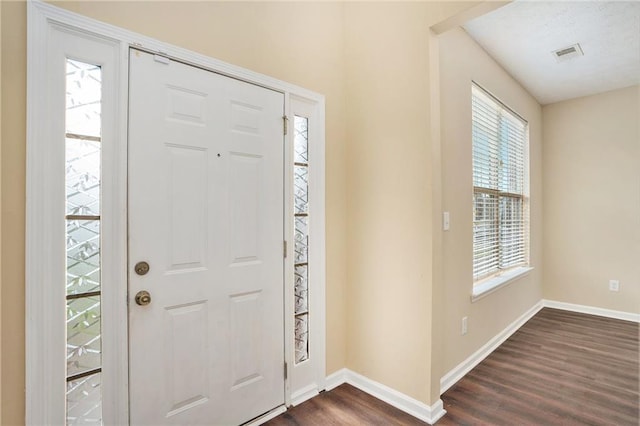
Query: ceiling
point(523, 35)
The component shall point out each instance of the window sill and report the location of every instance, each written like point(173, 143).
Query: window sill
point(487, 287)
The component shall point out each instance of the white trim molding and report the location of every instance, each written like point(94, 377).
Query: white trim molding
point(488, 286)
point(409, 405)
point(306, 393)
point(478, 356)
point(592, 310)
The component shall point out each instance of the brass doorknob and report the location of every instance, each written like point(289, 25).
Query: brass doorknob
point(143, 298)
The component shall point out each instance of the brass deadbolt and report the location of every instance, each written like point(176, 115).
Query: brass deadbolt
point(141, 268)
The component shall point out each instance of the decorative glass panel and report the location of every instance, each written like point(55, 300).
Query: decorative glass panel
point(83, 177)
point(82, 181)
point(302, 337)
point(301, 289)
point(84, 95)
point(301, 236)
point(84, 401)
point(83, 335)
point(83, 256)
point(301, 189)
point(301, 239)
point(301, 138)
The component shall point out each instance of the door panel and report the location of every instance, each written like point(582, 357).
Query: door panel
point(206, 213)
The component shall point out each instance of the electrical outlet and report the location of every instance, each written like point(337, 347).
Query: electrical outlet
point(464, 325)
point(614, 285)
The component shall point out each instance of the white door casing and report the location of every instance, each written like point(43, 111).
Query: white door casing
point(206, 213)
point(45, 387)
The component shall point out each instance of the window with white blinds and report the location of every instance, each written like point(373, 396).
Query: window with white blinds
point(500, 203)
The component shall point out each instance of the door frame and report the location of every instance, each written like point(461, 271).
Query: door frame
point(45, 251)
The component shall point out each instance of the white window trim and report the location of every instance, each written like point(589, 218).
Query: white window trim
point(44, 253)
point(495, 282)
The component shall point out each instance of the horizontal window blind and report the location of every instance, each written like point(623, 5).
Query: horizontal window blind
point(500, 222)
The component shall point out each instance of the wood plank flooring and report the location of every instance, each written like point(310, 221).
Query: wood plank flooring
point(560, 368)
point(344, 405)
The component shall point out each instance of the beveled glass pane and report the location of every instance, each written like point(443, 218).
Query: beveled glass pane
point(82, 177)
point(301, 338)
point(83, 256)
point(301, 239)
point(301, 289)
point(84, 95)
point(301, 188)
point(84, 401)
point(301, 139)
point(83, 335)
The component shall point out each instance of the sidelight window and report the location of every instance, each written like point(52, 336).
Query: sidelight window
point(83, 295)
point(301, 232)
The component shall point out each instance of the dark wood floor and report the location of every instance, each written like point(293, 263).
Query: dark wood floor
point(560, 368)
point(344, 405)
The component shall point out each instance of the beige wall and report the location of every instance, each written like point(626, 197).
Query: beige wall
point(461, 61)
point(0, 218)
point(592, 200)
point(390, 188)
point(12, 171)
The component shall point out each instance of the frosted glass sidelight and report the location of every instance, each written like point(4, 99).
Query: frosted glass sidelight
point(301, 237)
point(83, 256)
point(301, 126)
point(84, 401)
point(82, 177)
point(302, 338)
point(83, 146)
point(301, 189)
point(301, 289)
point(83, 335)
point(84, 96)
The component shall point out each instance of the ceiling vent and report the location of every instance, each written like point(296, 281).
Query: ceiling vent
point(567, 53)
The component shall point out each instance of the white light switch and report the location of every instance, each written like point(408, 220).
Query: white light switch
point(445, 221)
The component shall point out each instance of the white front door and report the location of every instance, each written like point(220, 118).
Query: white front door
point(206, 214)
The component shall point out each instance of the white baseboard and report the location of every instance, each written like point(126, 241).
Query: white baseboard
point(459, 371)
point(601, 312)
point(420, 410)
point(335, 379)
point(303, 394)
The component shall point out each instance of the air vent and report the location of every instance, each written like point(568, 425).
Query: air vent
point(567, 53)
